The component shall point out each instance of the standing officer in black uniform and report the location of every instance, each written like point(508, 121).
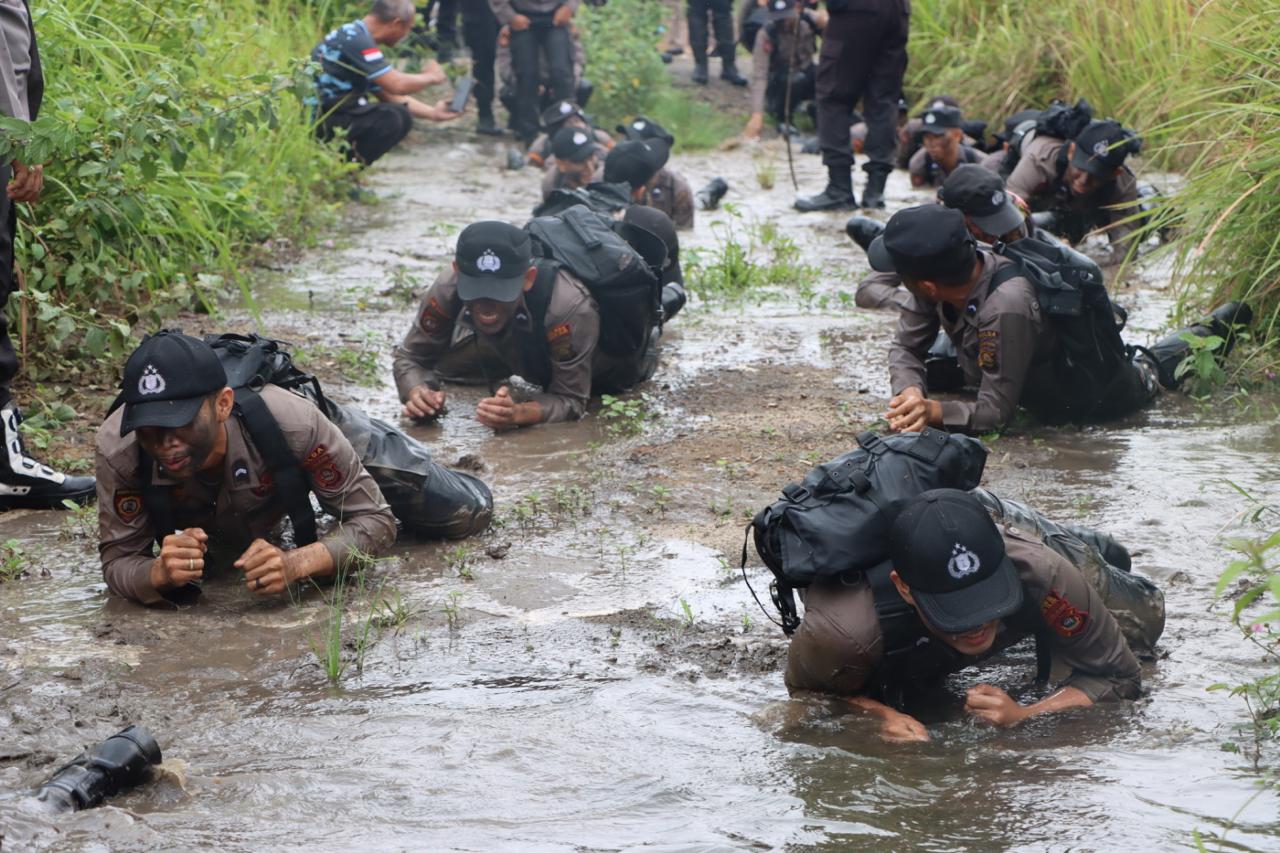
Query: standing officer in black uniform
point(539, 32)
point(23, 481)
point(863, 57)
point(721, 13)
point(480, 32)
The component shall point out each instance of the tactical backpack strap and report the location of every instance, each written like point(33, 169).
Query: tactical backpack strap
point(901, 631)
point(286, 471)
point(1005, 273)
point(537, 300)
point(782, 593)
point(156, 499)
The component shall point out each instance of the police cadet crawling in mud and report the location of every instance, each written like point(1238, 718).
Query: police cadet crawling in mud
point(942, 148)
point(577, 162)
point(207, 450)
point(960, 588)
point(1031, 325)
point(358, 90)
point(1074, 168)
point(640, 164)
point(540, 336)
point(560, 115)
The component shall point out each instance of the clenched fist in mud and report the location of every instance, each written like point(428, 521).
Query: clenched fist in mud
point(991, 704)
point(911, 411)
point(424, 402)
point(268, 569)
point(903, 728)
point(181, 559)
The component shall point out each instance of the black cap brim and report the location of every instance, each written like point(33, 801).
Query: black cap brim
point(1091, 164)
point(165, 414)
point(472, 287)
point(995, 597)
point(1002, 221)
point(879, 257)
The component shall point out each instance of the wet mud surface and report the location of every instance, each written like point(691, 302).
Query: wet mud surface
point(593, 674)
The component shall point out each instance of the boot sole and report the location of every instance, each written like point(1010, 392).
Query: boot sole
point(46, 502)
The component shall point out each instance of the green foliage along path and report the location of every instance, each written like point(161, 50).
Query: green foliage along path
point(174, 136)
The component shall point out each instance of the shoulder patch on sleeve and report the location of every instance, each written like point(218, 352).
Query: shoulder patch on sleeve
point(128, 505)
point(434, 317)
point(989, 349)
point(320, 463)
point(1063, 616)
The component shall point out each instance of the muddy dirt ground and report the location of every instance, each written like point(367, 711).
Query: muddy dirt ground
point(593, 673)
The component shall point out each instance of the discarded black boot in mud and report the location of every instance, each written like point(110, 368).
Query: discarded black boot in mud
point(515, 160)
point(863, 229)
point(1170, 351)
point(120, 762)
point(709, 196)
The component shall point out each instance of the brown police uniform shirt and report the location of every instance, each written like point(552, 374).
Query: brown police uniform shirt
point(443, 345)
point(998, 337)
point(505, 10)
point(774, 51)
point(243, 506)
point(1035, 181)
point(881, 290)
point(670, 193)
point(541, 155)
point(838, 648)
point(553, 179)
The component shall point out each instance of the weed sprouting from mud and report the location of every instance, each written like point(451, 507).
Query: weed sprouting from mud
point(452, 610)
point(392, 612)
point(687, 611)
point(750, 260)
point(1200, 370)
point(13, 561)
point(334, 654)
point(460, 560)
point(625, 417)
point(766, 174)
point(79, 522)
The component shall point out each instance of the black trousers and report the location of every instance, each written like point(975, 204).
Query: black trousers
point(8, 284)
point(721, 14)
point(372, 130)
point(863, 58)
point(527, 46)
point(802, 89)
point(480, 31)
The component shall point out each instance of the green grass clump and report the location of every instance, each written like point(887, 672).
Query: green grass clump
point(174, 136)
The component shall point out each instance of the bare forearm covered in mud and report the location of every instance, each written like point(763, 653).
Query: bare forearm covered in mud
point(439, 112)
point(895, 726)
point(993, 705)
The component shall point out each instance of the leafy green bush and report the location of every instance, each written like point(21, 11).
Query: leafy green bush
point(623, 63)
point(174, 137)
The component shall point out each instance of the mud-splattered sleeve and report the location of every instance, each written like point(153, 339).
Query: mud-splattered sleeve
point(571, 343)
point(682, 203)
point(414, 361)
point(917, 328)
point(126, 541)
point(881, 290)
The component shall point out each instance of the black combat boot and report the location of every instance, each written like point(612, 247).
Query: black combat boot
point(863, 229)
point(486, 125)
point(1170, 351)
point(729, 73)
point(837, 196)
point(873, 192)
point(700, 75)
point(673, 299)
point(26, 483)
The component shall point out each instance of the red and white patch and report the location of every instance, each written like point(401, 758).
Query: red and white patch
point(1063, 616)
point(324, 470)
point(371, 54)
point(266, 485)
point(128, 506)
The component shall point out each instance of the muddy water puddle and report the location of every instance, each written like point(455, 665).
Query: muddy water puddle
point(592, 674)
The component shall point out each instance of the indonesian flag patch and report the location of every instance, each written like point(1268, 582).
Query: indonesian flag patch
point(372, 54)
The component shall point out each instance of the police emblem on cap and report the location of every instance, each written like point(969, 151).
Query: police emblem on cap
point(579, 138)
point(488, 262)
point(565, 108)
point(1100, 149)
point(963, 562)
point(780, 4)
point(930, 118)
point(997, 197)
point(639, 125)
point(937, 105)
point(151, 382)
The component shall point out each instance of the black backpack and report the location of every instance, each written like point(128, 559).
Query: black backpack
point(1057, 120)
point(835, 522)
point(1073, 296)
point(598, 196)
point(623, 284)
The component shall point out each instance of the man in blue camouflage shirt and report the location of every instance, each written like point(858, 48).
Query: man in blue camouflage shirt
point(359, 91)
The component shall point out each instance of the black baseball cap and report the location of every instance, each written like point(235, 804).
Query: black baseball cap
point(644, 129)
point(573, 143)
point(778, 10)
point(947, 549)
point(925, 242)
point(634, 161)
point(166, 380)
point(942, 101)
point(492, 259)
point(654, 222)
point(1101, 148)
point(980, 195)
point(558, 113)
point(938, 120)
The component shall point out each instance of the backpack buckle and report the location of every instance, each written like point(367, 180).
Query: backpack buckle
point(796, 493)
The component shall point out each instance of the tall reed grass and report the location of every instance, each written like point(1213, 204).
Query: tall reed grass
point(174, 135)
